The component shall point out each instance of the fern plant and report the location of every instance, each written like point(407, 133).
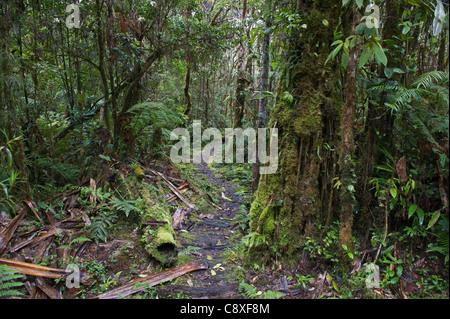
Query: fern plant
point(8, 176)
point(126, 206)
point(9, 282)
point(151, 122)
point(442, 244)
point(189, 250)
point(250, 292)
point(103, 222)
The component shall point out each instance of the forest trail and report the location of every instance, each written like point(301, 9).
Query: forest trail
point(211, 234)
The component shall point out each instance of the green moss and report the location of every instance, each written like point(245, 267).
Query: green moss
point(159, 242)
point(269, 225)
point(310, 119)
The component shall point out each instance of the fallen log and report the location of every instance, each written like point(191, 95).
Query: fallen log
point(152, 280)
point(159, 236)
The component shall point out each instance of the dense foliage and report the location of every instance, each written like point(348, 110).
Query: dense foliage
point(358, 89)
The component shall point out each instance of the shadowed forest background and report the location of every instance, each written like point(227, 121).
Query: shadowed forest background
point(357, 89)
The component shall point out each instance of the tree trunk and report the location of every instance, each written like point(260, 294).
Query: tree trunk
point(187, 95)
point(262, 107)
point(288, 204)
point(241, 82)
point(347, 150)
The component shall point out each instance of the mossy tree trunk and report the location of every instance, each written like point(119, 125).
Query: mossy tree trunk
point(347, 163)
point(241, 82)
point(290, 204)
point(264, 87)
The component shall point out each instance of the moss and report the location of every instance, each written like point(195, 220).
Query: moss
point(138, 172)
point(161, 242)
point(304, 125)
point(310, 119)
point(269, 225)
point(124, 187)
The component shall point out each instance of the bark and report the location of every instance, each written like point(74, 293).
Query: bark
point(442, 61)
point(347, 149)
point(101, 56)
point(241, 82)
point(288, 205)
point(262, 107)
point(187, 95)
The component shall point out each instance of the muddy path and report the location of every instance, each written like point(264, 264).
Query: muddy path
point(209, 236)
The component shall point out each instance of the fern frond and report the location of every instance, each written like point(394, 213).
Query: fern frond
point(247, 290)
point(270, 294)
point(417, 121)
point(188, 250)
point(125, 206)
point(9, 281)
point(80, 239)
point(428, 79)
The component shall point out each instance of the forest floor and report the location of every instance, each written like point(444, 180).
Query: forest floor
point(211, 234)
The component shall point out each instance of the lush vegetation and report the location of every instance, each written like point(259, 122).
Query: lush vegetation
point(358, 90)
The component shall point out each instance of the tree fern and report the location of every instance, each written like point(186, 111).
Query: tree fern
point(154, 114)
point(9, 281)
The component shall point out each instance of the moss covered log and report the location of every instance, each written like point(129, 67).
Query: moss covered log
point(160, 240)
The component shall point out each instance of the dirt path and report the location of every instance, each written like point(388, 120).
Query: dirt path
point(211, 235)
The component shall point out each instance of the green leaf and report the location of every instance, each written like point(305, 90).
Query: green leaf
point(388, 72)
point(393, 191)
point(365, 56)
point(360, 28)
point(344, 59)
point(106, 158)
point(334, 52)
point(412, 210)
point(359, 3)
point(399, 270)
point(345, 2)
point(379, 54)
point(336, 43)
point(434, 219)
point(421, 215)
